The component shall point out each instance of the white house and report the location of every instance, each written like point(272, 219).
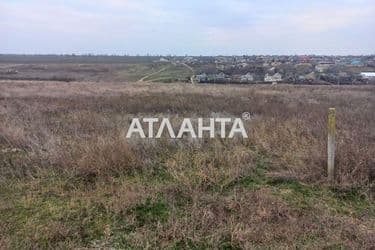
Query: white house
point(247, 78)
point(220, 76)
point(368, 75)
point(273, 78)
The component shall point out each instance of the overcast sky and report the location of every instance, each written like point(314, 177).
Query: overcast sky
point(195, 27)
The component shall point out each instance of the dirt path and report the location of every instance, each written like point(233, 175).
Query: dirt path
point(192, 71)
point(154, 73)
point(143, 79)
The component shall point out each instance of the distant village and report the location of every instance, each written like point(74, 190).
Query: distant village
point(306, 69)
point(281, 69)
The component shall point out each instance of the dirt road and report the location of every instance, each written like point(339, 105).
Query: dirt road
point(143, 79)
point(154, 73)
point(192, 71)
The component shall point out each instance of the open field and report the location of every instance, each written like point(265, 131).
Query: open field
point(70, 179)
point(68, 72)
point(92, 69)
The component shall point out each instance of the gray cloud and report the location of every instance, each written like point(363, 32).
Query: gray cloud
point(191, 27)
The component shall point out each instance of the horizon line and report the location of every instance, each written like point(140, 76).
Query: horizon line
point(172, 55)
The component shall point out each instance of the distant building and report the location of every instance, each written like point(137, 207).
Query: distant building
point(247, 78)
point(343, 74)
point(163, 60)
point(220, 67)
point(304, 59)
point(273, 78)
point(220, 78)
point(201, 78)
point(368, 75)
point(189, 59)
point(357, 63)
point(371, 63)
point(306, 78)
point(275, 64)
point(11, 72)
point(323, 66)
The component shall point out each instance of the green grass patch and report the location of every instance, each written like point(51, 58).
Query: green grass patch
point(345, 202)
point(150, 212)
point(349, 202)
point(171, 73)
point(256, 180)
point(134, 72)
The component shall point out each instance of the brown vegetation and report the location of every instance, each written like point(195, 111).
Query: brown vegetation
point(69, 178)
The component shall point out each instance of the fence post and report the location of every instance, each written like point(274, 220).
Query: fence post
point(331, 145)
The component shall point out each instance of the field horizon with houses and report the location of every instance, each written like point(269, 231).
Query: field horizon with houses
point(70, 179)
point(306, 70)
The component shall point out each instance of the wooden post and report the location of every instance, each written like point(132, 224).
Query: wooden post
point(331, 144)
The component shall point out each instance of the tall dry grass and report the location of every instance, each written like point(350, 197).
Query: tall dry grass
point(208, 193)
point(289, 123)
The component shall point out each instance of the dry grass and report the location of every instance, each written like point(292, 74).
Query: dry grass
point(69, 178)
